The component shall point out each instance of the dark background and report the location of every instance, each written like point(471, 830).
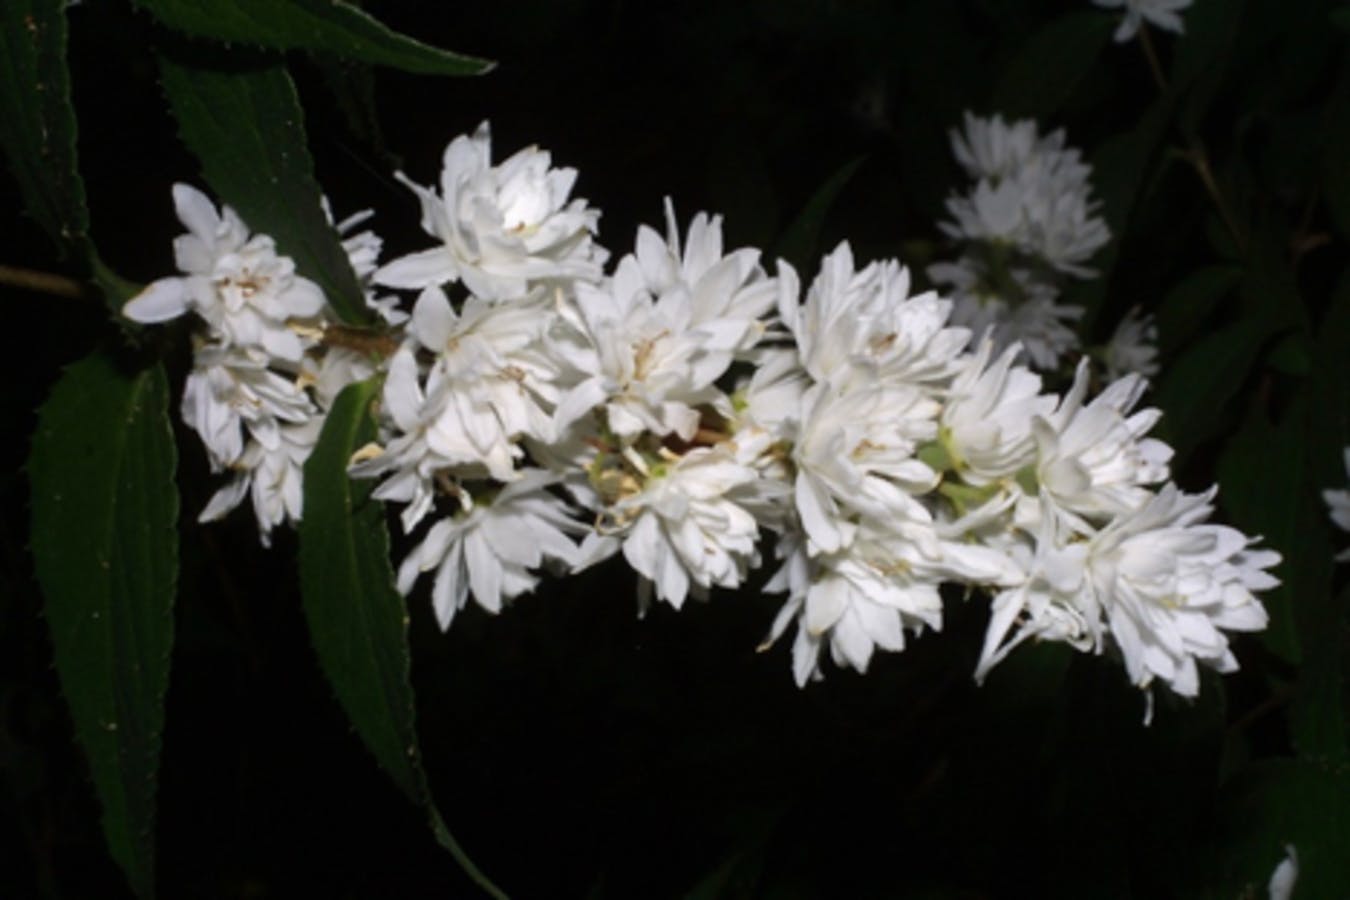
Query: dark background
point(575, 750)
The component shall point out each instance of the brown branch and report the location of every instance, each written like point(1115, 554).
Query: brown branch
point(360, 340)
point(44, 282)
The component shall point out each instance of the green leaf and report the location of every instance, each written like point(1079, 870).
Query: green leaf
point(1261, 476)
point(1275, 803)
point(39, 131)
point(328, 26)
point(1186, 307)
point(357, 621)
point(105, 547)
point(1119, 167)
point(246, 127)
point(1202, 57)
point(1335, 152)
point(800, 242)
point(1044, 73)
point(1194, 392)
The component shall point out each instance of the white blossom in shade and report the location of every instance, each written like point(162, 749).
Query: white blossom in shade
point(1029, 314)
point(1338, 504)
point(993, 149)
point(1285, 876)
point(237, 284)
point(502, 228)
point(493, 548)
point(855, 457)
point(863, 326)
point(1035, 213)
point(1093, 459)
point(687, 528)
point(986, 419)
point(1133, 347)
point(229, 390)
point(1162, 13)
point(273, 475)
point(664, 328)
point(1170, 585)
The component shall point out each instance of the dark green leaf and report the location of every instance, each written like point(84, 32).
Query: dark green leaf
point(39, 122)
point(1195, 389)
point(246, 127)
point(1335, 153)
point(357, 620)
point(1262, 474)
point(1201, 57)
point(800, 242)
point(1119, 167)
point(328, 26)
point(105, 546)
point(1044, 73)
point(1186, 307)
point(1277, 803)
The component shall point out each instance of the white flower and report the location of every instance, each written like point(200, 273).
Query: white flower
point(1039, 213)
point(1338, 504)
point(243, 290)
point(1031, 194)
point(994, 149)
point(1133, 347)
point(664, 328)
point(408, 456)
point(1022, 311)
point(1168, 584)
point(867, 595)
point(1164, 585)
point(502, 227)
point(273, 474)
point(492, 548)
point(1093, 460)
point(863, 326)
point(1162, 13)
point(1285, 876)
point(986, 421)
point(855, 457)
point(229, 389)
point(686, 527)
point(489, 386)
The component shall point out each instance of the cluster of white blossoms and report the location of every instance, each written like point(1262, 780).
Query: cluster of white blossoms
point(696, 412)
point(1025, 226)
point(260, 383)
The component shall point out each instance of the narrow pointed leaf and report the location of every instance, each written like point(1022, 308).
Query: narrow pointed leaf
point(800, 243)
point(39, 122)
point(105, 546)
point(245, 125)
point(329, 26)
point(357, 621)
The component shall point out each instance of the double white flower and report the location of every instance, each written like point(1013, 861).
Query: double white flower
point(501, 228)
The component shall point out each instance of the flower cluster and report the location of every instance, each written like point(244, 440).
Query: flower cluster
point(695, 411)
point(1026, 224)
